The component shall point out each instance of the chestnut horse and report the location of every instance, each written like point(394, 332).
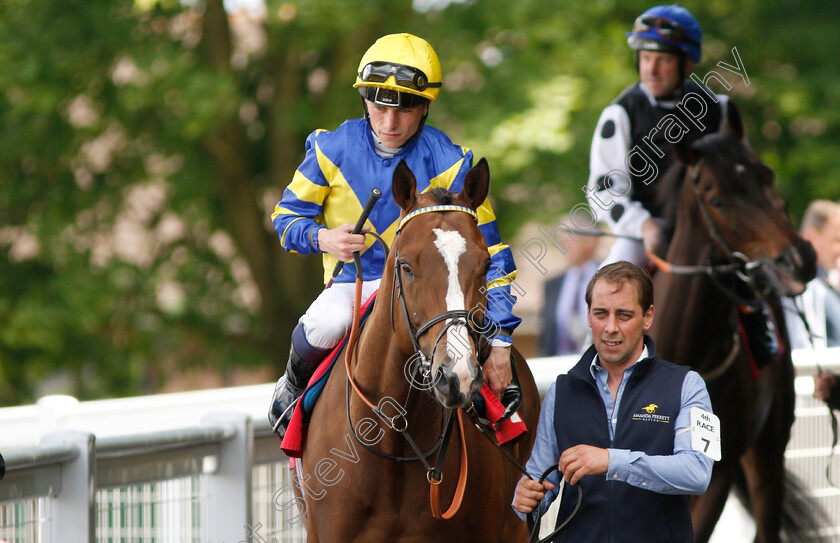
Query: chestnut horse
point(733, 251)
point(361, 475)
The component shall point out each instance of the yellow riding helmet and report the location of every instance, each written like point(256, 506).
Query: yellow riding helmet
point(402, 63)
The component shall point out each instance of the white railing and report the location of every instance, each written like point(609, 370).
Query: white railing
point(204, 467)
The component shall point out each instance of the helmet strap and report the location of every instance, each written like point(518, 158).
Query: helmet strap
point(367, 115)
point(419, 128)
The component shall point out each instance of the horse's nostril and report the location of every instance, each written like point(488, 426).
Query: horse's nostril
point(787, 260)
point(805, 259)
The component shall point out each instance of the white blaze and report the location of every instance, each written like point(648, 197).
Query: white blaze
point(451, 246)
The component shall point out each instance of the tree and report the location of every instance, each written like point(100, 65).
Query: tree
point(143, 147)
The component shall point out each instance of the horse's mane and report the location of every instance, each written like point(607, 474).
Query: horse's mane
point(667, 191)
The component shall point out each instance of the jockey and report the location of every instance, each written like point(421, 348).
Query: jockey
point(633, 141)
point(398, 78)
point(632, 131)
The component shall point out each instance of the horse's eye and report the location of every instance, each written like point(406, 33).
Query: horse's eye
point(487, 266)
point(406, 269)
point(718, 203)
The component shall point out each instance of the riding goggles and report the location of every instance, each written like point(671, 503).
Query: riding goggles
point(668, 29)
point(404, 76)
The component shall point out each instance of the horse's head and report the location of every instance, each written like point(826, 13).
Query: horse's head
point(439, 260)
point(728, 190)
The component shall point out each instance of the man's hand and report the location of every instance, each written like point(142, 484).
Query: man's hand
point(529, 493)
point(497, 372)
point(339, 241)
point(580, 460)
point(822, 385)
point(651, 235)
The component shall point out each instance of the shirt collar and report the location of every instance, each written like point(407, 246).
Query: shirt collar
point(381, 149)
point(654, 101)
point(595, 365)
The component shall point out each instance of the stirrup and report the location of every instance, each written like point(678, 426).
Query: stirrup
point(285, 418)
point(284, 392)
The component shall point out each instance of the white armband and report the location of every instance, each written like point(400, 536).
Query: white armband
point(705, 432)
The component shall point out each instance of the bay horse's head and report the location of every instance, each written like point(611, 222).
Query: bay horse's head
point(439, 260)
point(731, 192)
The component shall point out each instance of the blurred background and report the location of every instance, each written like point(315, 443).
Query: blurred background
point(143, 145)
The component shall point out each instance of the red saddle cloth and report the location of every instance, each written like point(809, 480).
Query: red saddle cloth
point(506, 430)
point(295, 437)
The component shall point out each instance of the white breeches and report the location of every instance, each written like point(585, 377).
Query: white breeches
point(330, 316)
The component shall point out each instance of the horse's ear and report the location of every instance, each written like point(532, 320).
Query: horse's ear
point(404, 186)
point(685, 151)
point(476, 184)
point(734, 124)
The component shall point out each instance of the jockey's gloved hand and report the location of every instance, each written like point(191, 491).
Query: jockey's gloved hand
point(512, 396)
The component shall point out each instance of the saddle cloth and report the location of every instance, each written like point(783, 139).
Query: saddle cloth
point(294, 440)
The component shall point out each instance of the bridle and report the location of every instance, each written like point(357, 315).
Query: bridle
point(434, 475)
point(739, 264)
point(742, 267)
point(398, 422)
point(456, 317)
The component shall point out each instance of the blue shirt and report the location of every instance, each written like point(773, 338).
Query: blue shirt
point(685, 472)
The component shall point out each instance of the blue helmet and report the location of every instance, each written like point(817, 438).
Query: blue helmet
point(669, 29)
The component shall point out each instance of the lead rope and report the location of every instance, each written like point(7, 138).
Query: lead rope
point(831, 414)
point(534, 520)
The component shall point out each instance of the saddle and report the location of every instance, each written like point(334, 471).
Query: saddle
point(500, 416)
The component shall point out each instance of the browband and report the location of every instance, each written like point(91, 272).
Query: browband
point(432, 209)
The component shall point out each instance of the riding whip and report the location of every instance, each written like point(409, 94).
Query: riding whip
point(375, 194)
point(598, 233)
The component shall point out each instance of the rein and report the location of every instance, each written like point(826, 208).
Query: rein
point(535, 520)
point(831, 414)
point(739, 264)
point(433, 474)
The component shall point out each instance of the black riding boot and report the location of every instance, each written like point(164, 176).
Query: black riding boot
point(289, 388)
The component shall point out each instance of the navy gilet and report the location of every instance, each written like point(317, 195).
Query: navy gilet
point(614, 511)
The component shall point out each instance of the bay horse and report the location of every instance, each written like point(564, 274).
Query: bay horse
point(733, 246)
point(360, 473)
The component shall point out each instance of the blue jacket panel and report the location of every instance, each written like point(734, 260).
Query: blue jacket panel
point(332, 184)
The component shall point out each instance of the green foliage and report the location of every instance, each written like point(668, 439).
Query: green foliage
point(143, 145)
